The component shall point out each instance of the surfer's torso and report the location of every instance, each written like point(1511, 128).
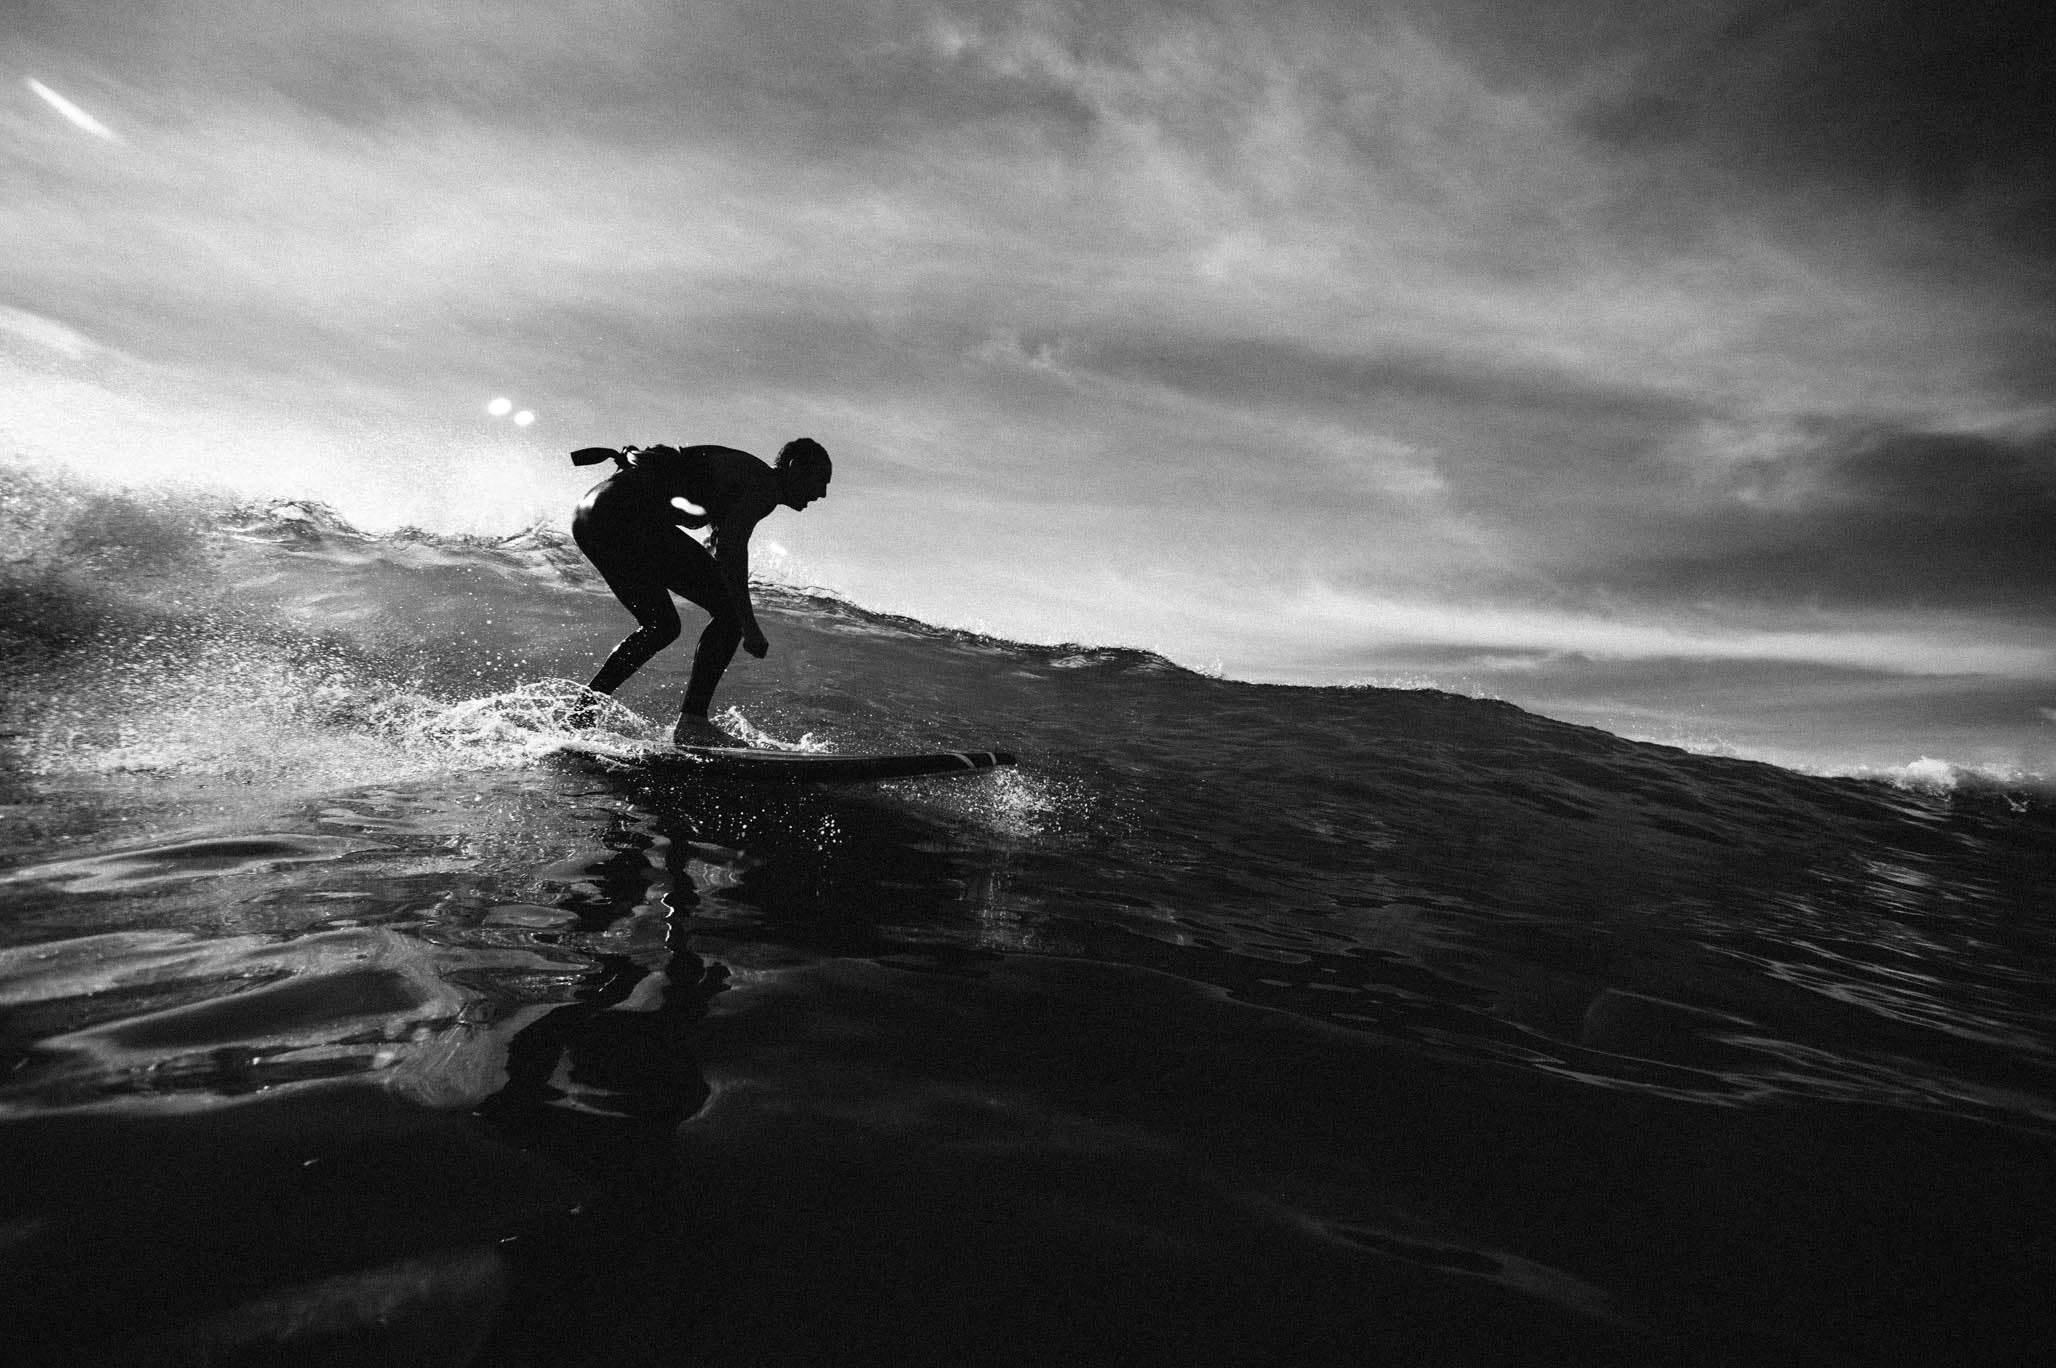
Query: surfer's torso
point(721, 485)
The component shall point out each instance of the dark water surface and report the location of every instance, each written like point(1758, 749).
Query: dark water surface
point(355, 1008)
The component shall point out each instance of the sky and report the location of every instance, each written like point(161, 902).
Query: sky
point(1686, 367)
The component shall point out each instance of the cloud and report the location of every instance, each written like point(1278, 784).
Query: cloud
point(1935, 116)
point(1942, 108)
point(1909, 646)
point(46, 334)
point(1583, 314)
point(1888, 516)
point(1296, 374)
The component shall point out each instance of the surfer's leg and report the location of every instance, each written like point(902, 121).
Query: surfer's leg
point(644, 571)
point(633, 556)
point(693, 576)
point(716, 649)
point(658, 627)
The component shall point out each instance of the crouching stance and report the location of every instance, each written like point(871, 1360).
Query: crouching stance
point(631, 526)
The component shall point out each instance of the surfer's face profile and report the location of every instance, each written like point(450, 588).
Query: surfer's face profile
point(803, 471)
point(801, 486)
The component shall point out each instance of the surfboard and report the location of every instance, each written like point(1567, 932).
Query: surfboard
point(824, 767)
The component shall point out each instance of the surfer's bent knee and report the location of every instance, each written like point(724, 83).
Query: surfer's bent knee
point(658, 631)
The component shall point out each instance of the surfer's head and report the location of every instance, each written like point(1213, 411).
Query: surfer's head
point(803, 471)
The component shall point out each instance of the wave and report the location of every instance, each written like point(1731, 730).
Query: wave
point(181, 631)
point(305, 829)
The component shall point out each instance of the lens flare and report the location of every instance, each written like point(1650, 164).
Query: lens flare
point(500, 407)
point(523, 418)
point(71, 111)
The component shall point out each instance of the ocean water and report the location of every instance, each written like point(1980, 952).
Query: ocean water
point(355, 1006)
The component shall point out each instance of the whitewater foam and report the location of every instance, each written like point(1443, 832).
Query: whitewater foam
point(1929, 775)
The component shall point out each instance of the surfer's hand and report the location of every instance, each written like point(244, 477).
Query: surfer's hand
point(755, 644)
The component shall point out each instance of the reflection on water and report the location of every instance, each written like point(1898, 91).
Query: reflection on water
point(547, 980)
point(415, 932)
point(182, 860)
point(258, 962)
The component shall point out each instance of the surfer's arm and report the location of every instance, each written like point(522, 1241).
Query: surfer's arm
point(731, 547)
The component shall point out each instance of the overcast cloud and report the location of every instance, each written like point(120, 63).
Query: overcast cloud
point(1308, 338)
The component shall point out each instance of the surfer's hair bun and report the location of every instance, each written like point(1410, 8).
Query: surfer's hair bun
point(803, 453)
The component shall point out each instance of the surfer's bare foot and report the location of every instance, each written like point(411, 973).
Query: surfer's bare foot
point(698, 731)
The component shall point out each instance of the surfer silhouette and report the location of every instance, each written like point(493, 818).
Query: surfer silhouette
point(632, 527)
